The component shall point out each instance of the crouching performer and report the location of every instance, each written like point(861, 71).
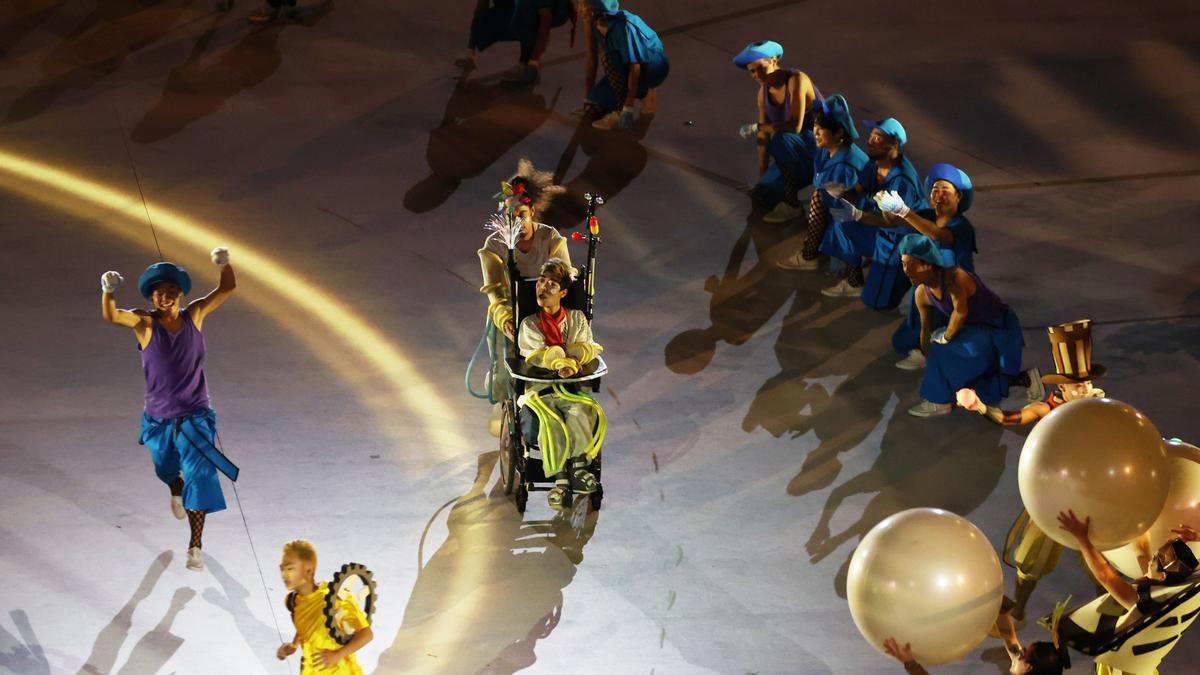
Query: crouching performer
point(570, 425)
point(178, 424)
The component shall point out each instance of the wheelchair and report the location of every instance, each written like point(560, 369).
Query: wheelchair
point(521, 469)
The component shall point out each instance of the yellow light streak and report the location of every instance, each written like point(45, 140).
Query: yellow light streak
point(357, 342)
point(355, 335)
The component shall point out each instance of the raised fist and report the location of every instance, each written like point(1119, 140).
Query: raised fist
point(220, 256)
point(110, 280)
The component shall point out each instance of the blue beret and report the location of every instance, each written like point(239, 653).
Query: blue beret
point(164, 271)
point(890, 126)
point(956, 177)
point(922, 248)
point(758, 50)
point(838, 111)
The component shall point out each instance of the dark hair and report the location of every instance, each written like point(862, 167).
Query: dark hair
point(826, 122)
point(1045, 659)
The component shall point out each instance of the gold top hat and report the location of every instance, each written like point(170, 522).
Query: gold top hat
point(1071, 345)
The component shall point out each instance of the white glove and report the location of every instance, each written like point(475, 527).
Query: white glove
point(220, 256)
point(844, 211)
point(891, 202)
point(110, 280)
point(834, 188)
point(939, 336)
point(748, 130)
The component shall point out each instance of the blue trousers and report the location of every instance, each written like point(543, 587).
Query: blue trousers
point(653, 75)
point(982, 356)
point(185, 447)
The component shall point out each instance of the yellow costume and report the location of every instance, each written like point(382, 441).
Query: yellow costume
point(308, 615)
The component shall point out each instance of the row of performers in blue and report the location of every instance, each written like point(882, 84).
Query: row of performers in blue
point(871, 207)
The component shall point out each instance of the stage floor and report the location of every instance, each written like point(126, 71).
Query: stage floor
point(757, 428)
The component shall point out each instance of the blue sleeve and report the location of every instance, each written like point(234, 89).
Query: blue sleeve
point(633, 40)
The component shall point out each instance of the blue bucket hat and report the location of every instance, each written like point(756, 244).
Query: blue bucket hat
point(758, 50)
point(922, 248)
point(890, 126)
point(956, 177)
point(164, 271)
point(837, 110)
point(606, 6)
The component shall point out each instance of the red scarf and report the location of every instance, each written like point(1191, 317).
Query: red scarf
point(551, 327)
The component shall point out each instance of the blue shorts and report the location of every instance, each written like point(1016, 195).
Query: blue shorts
point(182, 447)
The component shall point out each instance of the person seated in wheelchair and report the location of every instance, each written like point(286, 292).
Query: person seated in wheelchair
point(560, 340)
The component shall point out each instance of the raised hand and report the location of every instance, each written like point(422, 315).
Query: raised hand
point(894, 649)
point(220, 256)
point(110, 280)
point(890, 201)
point(1068, 521)
point(844, 211)
point(748, 130)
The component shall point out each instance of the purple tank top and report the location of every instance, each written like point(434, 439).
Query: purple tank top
point(778, 113)
point(982, 307)
point(174, 368)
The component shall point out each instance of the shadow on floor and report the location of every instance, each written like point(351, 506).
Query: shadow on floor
point(97, 48)
point(483, 120)
point(615, 158)
point(494, 588)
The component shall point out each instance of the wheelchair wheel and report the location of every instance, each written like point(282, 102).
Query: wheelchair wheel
point(510, 448)
point(596, 497)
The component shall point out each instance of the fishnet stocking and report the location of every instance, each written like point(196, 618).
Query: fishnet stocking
point(818, 220)
point(196, 521)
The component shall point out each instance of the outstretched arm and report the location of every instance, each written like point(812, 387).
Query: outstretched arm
point(109, 281)
point(1121, 591)
point(202, 307)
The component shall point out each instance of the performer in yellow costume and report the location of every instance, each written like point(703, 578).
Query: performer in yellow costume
point(322, 654)
point(1033, 554)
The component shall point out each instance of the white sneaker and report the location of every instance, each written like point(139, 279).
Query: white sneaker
point(514, 74)
point(610, 121)
point(195, 561)
point(782, 213)
point(927, 409)
point(842, 289)
point(1036, 391)
point(797, 261)
point(177, 507)
point(914, 361)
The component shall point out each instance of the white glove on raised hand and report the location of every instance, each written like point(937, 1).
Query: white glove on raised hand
point(110, 280)
point(844, 211)
point(891, 202)
point(939, 336)
point(748, 130)
point(834, 188)
point(220, 256)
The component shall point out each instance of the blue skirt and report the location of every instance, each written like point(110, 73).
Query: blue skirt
point(982, 356)
point(185, 448)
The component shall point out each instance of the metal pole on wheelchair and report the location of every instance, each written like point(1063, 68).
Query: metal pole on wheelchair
point(593, 226)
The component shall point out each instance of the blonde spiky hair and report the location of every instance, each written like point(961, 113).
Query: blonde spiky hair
point(539, 185)
point(302, 549)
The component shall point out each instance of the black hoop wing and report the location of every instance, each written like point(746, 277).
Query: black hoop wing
point(351, 581)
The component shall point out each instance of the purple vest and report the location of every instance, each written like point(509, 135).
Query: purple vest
point(982, 307)
point(174, 367)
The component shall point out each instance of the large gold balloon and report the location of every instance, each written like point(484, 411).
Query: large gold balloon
point(928, 577)
point(1101, 458)
point(1182, 508)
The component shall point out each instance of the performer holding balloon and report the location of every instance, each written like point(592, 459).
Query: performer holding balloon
point(1035, 554)
point(178, 424)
